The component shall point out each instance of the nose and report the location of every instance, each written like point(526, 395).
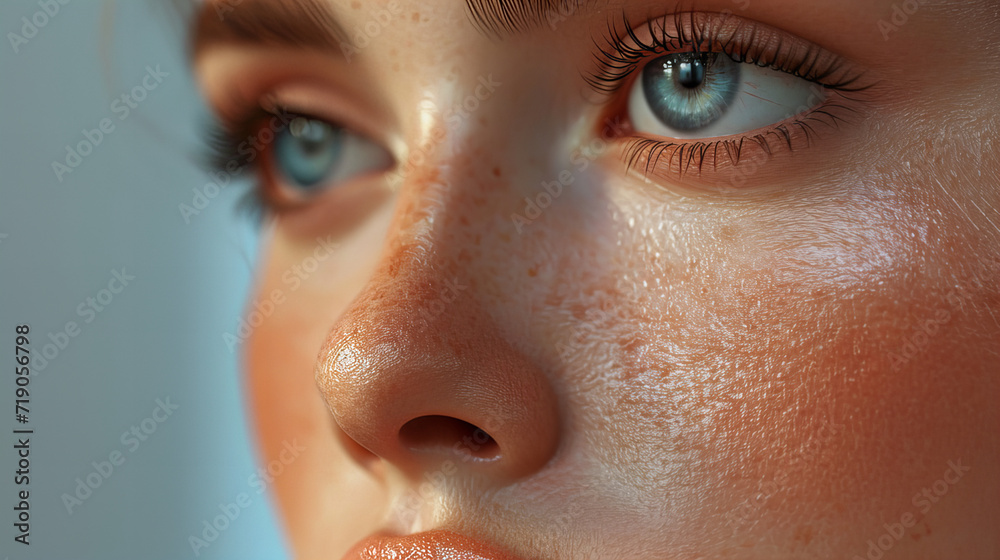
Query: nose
point(418, 372)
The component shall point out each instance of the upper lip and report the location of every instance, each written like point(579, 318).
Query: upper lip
point(431, 545)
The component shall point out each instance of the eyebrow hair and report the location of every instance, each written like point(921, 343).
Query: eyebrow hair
point(295, 23)
point(311, 24)
point(501, 18)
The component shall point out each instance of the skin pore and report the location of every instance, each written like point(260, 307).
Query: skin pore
point(780, 357)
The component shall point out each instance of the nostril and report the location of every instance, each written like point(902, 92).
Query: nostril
point(444, 434)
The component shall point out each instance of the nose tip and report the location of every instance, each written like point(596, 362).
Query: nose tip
point(417, 388)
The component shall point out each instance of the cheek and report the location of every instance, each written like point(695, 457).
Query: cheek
point(301, 288)
point(758, 354)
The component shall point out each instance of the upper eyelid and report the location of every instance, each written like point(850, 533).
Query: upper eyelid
point(245, 113)
point(621, 50)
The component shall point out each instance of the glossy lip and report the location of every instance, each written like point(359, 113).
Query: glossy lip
point(431, 545)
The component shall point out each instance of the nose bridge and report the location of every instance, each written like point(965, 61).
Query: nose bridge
point(416, 369)
point(451, 185)
point(452, 132)
point(479, 152)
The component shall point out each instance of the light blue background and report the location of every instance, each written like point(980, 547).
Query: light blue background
point(162, 336)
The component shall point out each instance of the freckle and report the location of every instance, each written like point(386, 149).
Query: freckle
point(804, 534)
point(356, 5)
point(415, 16)
point(727, 233)
point(532, 272)
point(496, 171)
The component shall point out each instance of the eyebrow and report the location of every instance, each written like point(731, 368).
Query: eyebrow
point(311, 24)
point(294, 23)
point(501, 18)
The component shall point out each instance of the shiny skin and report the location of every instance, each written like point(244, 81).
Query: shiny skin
point(666, 372)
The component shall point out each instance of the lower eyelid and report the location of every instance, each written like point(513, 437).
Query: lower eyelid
point(728, 164)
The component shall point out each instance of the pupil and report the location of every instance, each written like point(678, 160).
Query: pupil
point(691, 73)
point(312, 135)
point(689, 91)
point(307, 151)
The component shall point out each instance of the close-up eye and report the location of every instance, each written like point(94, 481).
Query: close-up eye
point(705, 95)
point(309, 156)
point(696, 91)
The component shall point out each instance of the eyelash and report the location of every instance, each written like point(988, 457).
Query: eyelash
point(625, 52)
point(226, 139)
point(621, 56)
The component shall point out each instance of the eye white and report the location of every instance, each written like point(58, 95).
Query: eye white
point(765, 97)
point(311, 155)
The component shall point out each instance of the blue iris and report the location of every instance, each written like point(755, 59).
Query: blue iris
point(688, 91)
point(307, 150)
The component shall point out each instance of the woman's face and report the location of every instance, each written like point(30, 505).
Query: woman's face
point(569, 279)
